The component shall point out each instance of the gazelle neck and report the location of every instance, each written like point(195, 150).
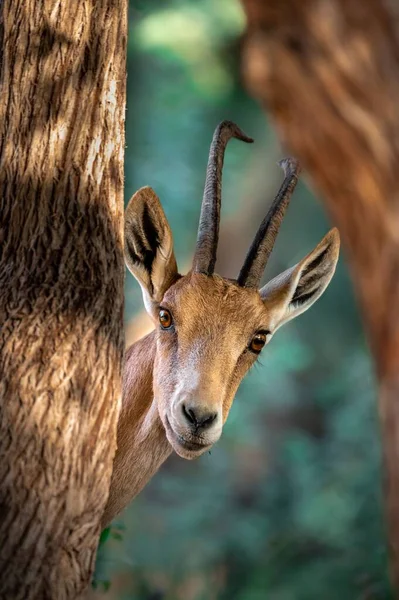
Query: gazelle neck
point(142, 443)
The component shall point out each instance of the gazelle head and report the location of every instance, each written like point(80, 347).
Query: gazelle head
point(210, 330)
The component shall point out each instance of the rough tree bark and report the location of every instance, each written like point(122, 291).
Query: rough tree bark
point(61, 286)
point(328, 73)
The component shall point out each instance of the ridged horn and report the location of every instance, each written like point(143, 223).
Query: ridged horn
point(208, 230)
point(262, 246)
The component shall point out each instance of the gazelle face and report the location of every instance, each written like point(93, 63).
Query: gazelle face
point(209, 333)
point(210, 330)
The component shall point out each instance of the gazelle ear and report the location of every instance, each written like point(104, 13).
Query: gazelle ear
point(295, 290)
point(149, 252)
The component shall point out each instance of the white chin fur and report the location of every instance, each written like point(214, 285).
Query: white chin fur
point(186, 453)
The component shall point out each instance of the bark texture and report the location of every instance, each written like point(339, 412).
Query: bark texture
point(61, 286)
point(328, 73)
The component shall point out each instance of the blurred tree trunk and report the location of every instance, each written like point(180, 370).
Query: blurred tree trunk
point(61, 286)
point(328, 73)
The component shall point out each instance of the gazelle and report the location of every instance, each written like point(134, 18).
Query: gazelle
point(180, 380)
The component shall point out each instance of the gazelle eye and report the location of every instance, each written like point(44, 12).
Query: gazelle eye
point(257, 342)
point(165, 318)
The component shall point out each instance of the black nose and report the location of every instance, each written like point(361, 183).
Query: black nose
point(198, 417)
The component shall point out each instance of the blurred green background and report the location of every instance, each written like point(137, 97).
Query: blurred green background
point(288, 504)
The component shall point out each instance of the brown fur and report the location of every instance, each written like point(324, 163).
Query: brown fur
point(203, 358)
point(180, 382)
point(216, 342)
point(142, 446)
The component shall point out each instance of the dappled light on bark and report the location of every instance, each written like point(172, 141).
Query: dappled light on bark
point(61, 287)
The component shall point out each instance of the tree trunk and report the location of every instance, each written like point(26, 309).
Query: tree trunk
point(328, 73)
point(61, 286)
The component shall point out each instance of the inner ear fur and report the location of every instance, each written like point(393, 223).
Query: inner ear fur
point(149, 253)
point(296, 289)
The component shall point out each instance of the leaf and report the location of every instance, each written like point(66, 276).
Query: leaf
point(104, 535)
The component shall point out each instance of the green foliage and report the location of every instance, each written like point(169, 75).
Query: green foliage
point(288, 505)
point(104, 535)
